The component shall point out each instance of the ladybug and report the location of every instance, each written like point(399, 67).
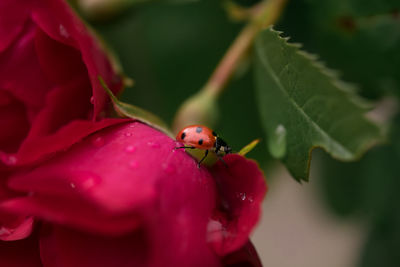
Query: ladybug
point(201, 137)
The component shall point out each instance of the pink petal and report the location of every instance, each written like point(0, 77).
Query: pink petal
point(41, 147)
point(241, 187)
point(131, 179)
point(114, 172)
point(21, 229)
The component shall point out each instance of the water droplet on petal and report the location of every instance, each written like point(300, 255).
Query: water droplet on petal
point(133, 164)
point(128, 134)
point(168, 168)
point(241, 195)
point(86, 182)
point(130, 149)
point(153, 144)
point(98, 141)
point(92, 100)
point(7, 159)
point(63, 32)
point(277, 142)
point(89, 182)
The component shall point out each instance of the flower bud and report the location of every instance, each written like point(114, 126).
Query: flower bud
point(102, 9)
point(198, 109)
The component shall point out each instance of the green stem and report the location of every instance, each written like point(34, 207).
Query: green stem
point(268, 13)
point(202, 107)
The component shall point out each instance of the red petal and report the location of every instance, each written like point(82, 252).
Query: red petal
point(61, 247)
point(12, 19)
point(117, 170)
point(20, 231)
point(20, 73)
point(246, 256)
point(13, 121)
point(41, 147)
point(21, 253)
point(61, 63)
point(242, 188)
point(12, 226)
point(58, 21)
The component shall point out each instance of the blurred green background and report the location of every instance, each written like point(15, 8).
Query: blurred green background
point(171, 48)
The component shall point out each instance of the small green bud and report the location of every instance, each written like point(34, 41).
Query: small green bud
point(198, 109)
point(102, 9)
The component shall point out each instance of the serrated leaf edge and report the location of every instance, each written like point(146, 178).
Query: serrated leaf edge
point(340, 85)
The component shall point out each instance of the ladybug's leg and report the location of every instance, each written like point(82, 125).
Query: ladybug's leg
point(205, 155)
point(190, 147)
point(223, 161)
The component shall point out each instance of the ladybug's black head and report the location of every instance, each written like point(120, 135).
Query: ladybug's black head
point(227, 149)
point(221, 145)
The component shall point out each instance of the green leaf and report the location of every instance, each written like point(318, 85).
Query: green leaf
point(137, 113)
point(361, 38)
point(304, 105)
point(368, 190)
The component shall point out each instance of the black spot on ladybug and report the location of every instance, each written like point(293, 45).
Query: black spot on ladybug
point(214, 133)
point(183, 135)
point(199, 130)
point(200, 142)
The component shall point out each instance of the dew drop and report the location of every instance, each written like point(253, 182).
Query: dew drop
point(89, 182)
point(7, 159)
point(168, 168)
point(241, 195)
point(128, 134)
point(130, 149)
point(73, 185)
point(98, 141)
point(153, 144)
point(63, 32)
point(277, 142)
point(11, 160)
point(133, 164)
point(92, 100)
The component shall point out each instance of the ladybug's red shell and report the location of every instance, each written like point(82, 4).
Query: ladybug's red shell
point(197, 136)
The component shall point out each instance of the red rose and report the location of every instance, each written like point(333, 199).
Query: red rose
point(49, 63)
point(108, 192)
point(49, 93)
point(124, 196)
